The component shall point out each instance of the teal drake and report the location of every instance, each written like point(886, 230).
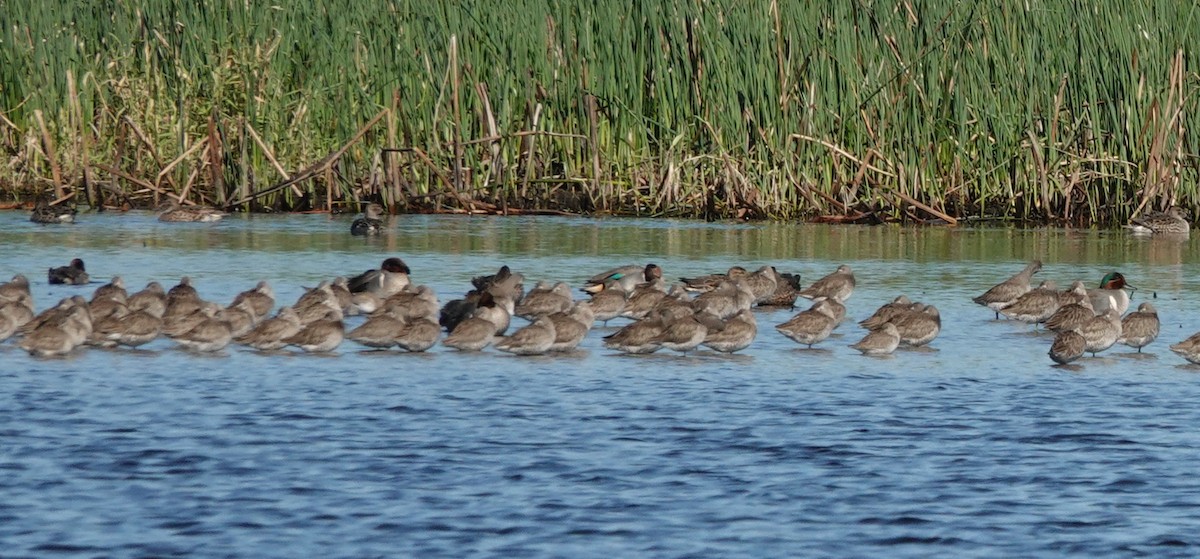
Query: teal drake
point(883, 341)
point(1068, 346)
point(625, 278)
point(391, 278)
point(1172, 222)
point(1111, 293)
point(71, 274)
point(837, 285)
point(370, 223)
point(1008, 291)
point(1139, 328)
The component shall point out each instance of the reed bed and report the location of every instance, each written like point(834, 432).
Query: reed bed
point(1041, 111)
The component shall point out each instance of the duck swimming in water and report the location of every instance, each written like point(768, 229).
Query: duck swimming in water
point(71, 274)
point(370, 222)
point(46, 213)
point(1172, 222)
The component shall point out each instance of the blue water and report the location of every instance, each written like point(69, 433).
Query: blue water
point(976, 447)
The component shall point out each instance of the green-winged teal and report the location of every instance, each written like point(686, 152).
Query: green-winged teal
point(71, 274)
point(184, 214)
point(1111, 294)
point(1172, 222)
point(390, 279)
point(46, 213)
point(625, 278)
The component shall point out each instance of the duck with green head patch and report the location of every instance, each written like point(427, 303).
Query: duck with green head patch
point(1111, 294)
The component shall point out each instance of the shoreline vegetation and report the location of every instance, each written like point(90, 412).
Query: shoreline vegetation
point(1034, 112)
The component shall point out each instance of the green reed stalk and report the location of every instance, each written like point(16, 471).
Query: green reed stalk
point(1048, 111)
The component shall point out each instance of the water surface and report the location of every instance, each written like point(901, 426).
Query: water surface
point(976, 446)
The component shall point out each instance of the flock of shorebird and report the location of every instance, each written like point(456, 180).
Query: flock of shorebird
point(714, 311)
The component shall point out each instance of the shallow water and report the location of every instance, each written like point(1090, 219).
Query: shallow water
point(977, 446)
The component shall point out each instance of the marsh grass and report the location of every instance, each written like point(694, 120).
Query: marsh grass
point(1044, 111)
